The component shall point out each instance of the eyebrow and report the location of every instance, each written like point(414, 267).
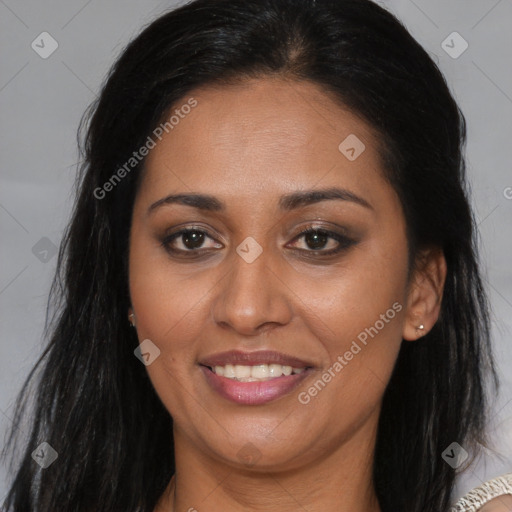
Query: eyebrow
point(287, 202)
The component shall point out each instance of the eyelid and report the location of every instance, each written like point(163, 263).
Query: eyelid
point(172, 235)
point(343, 240)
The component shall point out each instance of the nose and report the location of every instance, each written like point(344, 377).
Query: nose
point(253, 297)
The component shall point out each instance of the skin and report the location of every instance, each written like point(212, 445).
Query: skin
point(248, 145)
point(501, 504)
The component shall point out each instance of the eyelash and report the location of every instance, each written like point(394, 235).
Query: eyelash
point(343, 241)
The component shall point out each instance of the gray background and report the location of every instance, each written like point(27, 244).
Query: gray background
point(41, 101)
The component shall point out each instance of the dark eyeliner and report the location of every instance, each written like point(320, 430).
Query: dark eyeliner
point(191, 253)
point(343, 241)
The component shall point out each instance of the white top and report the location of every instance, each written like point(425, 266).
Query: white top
point(477, 498)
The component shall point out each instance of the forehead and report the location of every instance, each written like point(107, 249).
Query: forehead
point(262, 135)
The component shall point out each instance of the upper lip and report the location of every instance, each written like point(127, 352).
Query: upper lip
point(253, 359)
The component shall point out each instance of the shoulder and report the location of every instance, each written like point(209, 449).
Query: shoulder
point(486, 498)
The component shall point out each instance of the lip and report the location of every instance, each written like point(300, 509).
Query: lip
point(254, 393)
point(253, 359)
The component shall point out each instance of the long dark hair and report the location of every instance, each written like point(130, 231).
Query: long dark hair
point(94, 402)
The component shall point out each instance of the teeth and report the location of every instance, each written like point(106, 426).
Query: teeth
point(260, 371)
point(255, 373)
point(275, 370)
point(229, 371)
point(242, 372)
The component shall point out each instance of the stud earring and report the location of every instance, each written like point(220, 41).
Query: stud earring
point(131, 319)
point(420, 327)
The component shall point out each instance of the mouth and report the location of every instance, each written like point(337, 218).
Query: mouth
point(254, 378)
point(256, 373)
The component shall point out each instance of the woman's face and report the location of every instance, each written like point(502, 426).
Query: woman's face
point(244, 279)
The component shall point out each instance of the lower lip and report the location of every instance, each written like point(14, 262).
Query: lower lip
point(253, 393)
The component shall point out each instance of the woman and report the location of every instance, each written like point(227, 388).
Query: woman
point(274, 195)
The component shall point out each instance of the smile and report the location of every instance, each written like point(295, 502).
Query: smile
point(259, 372)
point(254, 378)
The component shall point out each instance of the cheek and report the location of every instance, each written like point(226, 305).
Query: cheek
point(346, 300)
point(362, 347)
point(173, 321)
point(357, 314)
point(171, 312)
point(166, 296)
point(361, 338)
point(167, 313)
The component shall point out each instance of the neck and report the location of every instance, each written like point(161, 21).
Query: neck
point(340, 481)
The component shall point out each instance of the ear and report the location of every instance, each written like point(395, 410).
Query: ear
point(425, 293)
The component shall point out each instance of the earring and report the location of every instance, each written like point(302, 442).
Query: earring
point(131, 319)
point(420, 327)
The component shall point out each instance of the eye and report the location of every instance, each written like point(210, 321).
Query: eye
point(192, 240)
point(188, 240)
point(323, 241)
